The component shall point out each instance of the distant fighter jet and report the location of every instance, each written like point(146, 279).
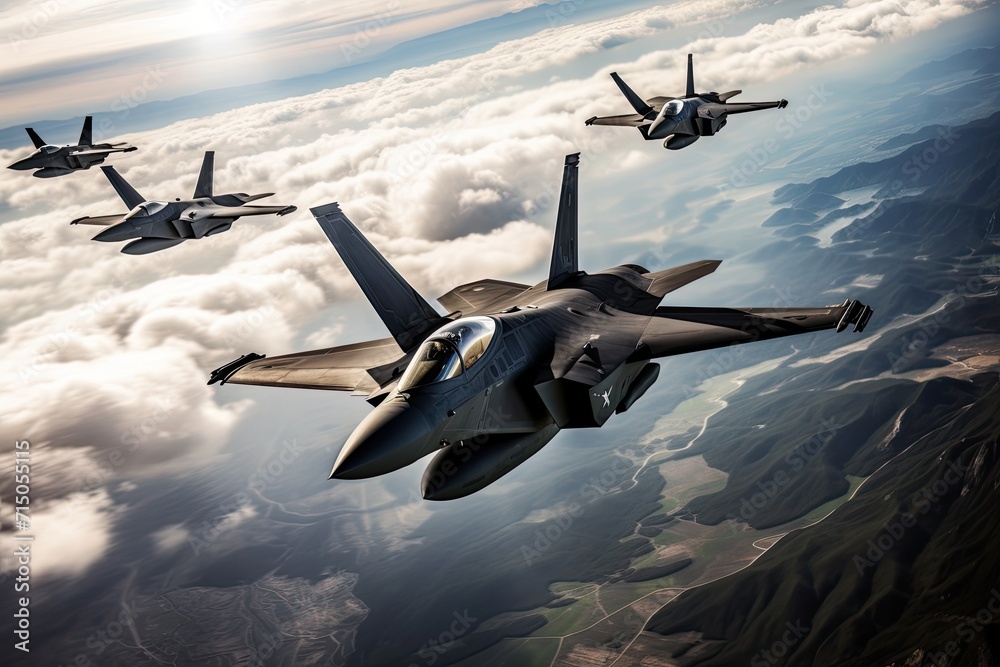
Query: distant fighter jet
point(157, 225)
point(58, 160)
point(490, 383)
point(679, 121)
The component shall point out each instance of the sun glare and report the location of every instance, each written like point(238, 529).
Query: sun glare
point(213, 17)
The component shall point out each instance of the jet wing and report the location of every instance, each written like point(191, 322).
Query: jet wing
point(101, 152)
point(341, 368)
point(240, 211)
point(480, 296)
point(103, 220)
point(627, 120)
point(678, 330)
point(713, 110)
point(89, 157)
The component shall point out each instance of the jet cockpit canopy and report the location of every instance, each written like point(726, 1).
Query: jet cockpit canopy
point(449, 351)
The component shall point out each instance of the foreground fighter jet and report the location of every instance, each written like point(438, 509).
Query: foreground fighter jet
point(490, 383)
point(157, 225)
point(679, 121)
point(58, 160)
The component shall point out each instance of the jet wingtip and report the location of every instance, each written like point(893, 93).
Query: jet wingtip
point(222, 374)
point(325, 209)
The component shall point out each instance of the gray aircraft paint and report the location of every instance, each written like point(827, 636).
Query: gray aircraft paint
point(157, 225)
point(680, 121)
point(567, 352)
point(49, 161)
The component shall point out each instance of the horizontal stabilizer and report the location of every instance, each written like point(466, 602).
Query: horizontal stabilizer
point(405, 313)
point(668, 280)
point(124, 190)
point(480, 296)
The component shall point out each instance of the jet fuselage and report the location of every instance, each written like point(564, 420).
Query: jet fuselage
point(492, 405)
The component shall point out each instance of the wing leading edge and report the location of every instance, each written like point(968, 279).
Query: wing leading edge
point(342, 368)
point(714, 110)
point(405, 313)
point(678, 330)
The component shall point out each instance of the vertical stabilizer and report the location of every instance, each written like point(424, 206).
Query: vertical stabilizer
point(640, 105)
point(204, 186)
point(690, 83)
point(35, 139)
point(124, 190)
point(564, 249)
point(405, 313)
point(87, 134)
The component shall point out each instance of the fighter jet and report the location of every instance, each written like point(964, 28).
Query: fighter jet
point(680, 121)
point(157, 225)
point(487, 385)
point(53, 161)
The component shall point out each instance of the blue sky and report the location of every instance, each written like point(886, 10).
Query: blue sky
point(76, 56)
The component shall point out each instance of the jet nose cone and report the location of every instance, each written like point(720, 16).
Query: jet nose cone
point(393, 435)
point(116, 233)
point(20, 165)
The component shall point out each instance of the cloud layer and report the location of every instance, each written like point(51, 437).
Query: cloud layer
point(451, 169)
